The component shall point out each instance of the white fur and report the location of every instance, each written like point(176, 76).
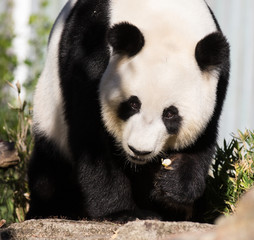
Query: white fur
point(48, 113)
point(164, 73)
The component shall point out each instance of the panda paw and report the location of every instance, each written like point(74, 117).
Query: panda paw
point(180, 183)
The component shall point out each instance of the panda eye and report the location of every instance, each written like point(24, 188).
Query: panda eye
point(170, 113)
point(135, 106)
point(172, 119)
point(129, 107)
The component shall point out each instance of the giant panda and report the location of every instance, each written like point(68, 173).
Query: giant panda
point(127, 85)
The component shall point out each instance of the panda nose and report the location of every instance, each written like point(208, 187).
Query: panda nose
point(137, 152)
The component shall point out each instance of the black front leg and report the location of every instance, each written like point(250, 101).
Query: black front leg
point(182, 182)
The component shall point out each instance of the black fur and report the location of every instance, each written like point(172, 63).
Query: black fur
point(94, 182)
point(100, 188)
point(212, 51)
point(126, 39)
point(53, 182)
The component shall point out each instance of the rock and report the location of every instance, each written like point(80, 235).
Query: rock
point(45, 229)
point(153, 230)
point(65, 229)
point(240, 226)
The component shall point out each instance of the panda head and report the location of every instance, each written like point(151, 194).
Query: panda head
point(157, 94)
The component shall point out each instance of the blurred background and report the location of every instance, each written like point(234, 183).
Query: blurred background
point(236, 18)
point(24, 30)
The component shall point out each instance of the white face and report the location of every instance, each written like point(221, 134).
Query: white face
point(170, 81)
point(163, 75)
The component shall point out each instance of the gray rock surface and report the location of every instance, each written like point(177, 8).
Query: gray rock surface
point(153, 230)
point(59, 229)
point(240, 226)
point(65, 229)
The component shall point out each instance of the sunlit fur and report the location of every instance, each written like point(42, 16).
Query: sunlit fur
point(48, 109)
point(164, 73)
point(82, 166)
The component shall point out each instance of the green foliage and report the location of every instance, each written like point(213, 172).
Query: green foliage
point(8, 61)
point(232, 175)
point(15, 115)
point(13, 184)
point(40, 26)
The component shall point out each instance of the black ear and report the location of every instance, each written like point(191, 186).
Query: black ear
point(126, 39)
point(212, 51)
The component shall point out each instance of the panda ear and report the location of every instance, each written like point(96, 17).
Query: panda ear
point(212, 51)
point(125, 39)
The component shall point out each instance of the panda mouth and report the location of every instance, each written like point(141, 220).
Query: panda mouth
point(137, 160)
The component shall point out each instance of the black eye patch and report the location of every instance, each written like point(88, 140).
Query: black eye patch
point(171, 119)
point(128, 108)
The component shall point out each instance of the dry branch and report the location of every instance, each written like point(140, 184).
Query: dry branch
point(8, 155)
point(2, 222)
